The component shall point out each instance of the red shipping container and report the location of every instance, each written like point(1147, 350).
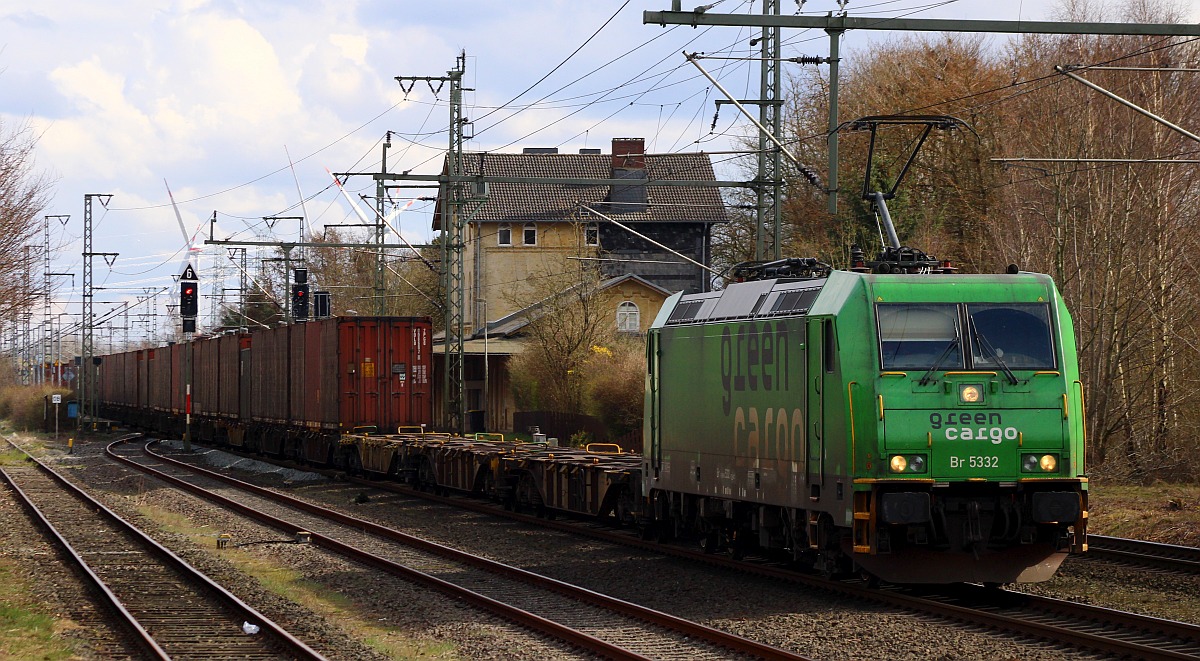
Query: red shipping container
point(159, 387)
point(178, 377)
point(384, 372)
point(314, 374)
point(229, 355)
point(268, 376)
point(206, 369)
point(143, 378)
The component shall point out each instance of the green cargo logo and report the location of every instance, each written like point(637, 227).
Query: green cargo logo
point(969, 426)
point(758, 357)
point(778, 437)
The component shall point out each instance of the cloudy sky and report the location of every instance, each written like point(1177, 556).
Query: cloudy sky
point(240, 106)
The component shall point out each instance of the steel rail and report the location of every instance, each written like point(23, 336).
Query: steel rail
point(899, 599)
point(679, 625)
point(1152, 554)
point(522, 617)
point(143, 637)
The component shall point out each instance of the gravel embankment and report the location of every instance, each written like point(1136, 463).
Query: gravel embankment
point(812, 623)
point(816, 624)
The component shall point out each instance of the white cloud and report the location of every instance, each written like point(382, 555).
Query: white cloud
point(207, 93)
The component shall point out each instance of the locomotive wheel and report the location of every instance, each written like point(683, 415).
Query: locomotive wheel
point(710, 541)
point(737, 549)
point(871, 580)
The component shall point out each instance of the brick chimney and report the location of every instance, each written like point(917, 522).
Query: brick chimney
point(629, 153)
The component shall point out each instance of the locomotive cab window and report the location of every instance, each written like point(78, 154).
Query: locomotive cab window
point(1016, 335)
point(919, 336)
point(933, 336)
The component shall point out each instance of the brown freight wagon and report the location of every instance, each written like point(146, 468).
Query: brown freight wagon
point(309, 383)
point(233, 353)
point(123, 387)
point(291, 390)
point(216, 368)
point(110, 386)
point(206, 384)
point(158, 386)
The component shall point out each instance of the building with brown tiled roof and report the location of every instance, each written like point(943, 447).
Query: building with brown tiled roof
point(527, 233)
point(531, 241)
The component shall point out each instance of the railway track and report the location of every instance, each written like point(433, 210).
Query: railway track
point(583, 618)
point(1102, 630)
point(1171, 557)
point(168, 608)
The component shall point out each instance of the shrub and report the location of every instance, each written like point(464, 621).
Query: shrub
point(25, 406)
point(616, 384)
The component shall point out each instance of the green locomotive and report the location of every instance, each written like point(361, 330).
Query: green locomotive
point(915, 424)
point(924, 428)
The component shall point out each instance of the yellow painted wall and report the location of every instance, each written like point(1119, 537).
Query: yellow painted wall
point(516, 276)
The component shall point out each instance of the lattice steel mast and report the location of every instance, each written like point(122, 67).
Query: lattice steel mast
point(87, 371)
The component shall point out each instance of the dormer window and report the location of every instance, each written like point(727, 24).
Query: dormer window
point(529, 234)
point(504, 235)
point(591, 234)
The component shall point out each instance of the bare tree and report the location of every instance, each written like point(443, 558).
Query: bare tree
point(24, 194)
point(564, 324)
point(1116, 237)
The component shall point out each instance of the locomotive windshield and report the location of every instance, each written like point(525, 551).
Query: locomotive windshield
point(916, 336)
point(1012, 334)
point(929, 336)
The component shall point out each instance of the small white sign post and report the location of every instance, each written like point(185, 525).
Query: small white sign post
point(56, 399)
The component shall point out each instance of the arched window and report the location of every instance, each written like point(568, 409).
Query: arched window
point(629, 319)
point(591, 234)
point(504, 235)
point(529, 235)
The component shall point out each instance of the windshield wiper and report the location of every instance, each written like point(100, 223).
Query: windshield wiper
point(925, 380)
point(990, 351)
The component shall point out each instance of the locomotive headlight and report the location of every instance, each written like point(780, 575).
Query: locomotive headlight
point(913, 463)
point(970, 393)
point(1039, 463)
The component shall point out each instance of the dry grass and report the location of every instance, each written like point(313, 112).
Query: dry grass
point(290, 584)
point(25, 407)
point(1167, 513)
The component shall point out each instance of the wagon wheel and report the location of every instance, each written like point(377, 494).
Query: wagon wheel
point(488, 488)
point(426, 477)
point(528, 496)
point(354, 462)
point(664, 525)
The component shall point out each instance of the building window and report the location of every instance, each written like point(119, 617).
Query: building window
point(529, 235)
point(504, 235)
point(591, 234)
point(629, 320)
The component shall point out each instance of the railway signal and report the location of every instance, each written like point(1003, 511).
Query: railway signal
point(188, 300)
point(300, 294)
point(300, 301)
